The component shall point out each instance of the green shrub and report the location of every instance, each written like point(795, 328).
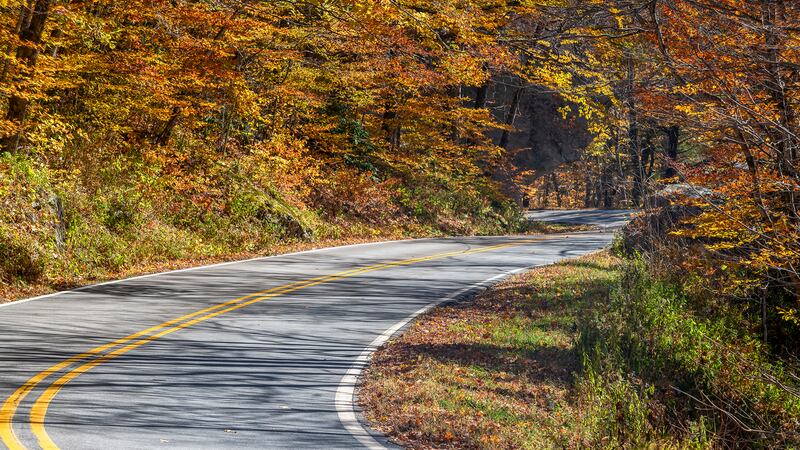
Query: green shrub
point(712, 378)
point(619, 409)
point(119, 213)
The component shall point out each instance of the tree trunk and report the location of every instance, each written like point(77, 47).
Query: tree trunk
point(587, 198)
point(512, 114)
point(163, 137)
point(390, 128)
point(633, 136)
point(22, 20)
point(557, 188)
point(649, 160)
point(784, 137)
point(606, 181)
point(30, 35)
point(480, 96)
point(544, 201)
point(752, 166)
point(673, 136)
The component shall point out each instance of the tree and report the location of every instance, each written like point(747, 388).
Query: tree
point(30, 29)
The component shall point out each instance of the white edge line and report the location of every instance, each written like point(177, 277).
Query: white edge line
point(226, 263)
point(345, 393)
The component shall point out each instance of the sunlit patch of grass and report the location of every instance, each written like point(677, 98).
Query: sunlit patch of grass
point(523, 333)
point(496, 372)
point(555, 227)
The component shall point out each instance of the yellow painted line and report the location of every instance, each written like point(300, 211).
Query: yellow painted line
point(11, 404)
point(39, 410)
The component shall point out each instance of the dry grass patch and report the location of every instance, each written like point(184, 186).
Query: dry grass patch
point(557, 227)
point(496, 372)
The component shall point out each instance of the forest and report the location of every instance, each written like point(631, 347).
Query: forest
point(138, 134)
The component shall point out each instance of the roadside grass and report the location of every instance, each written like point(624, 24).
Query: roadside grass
point(535, 226)
point(76, 222)
point(56, 232)
point(76, 274)
point(596, 352)
point(159, 248)
point(497, 372)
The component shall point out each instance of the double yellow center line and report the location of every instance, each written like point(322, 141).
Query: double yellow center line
point(111, 350)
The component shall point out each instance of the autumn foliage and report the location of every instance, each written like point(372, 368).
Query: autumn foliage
point(185, 128)
point(148, 131)
point(700, 123)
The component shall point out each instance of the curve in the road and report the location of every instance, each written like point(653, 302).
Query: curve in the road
point(39, 410)
point(266, 374)
point(346, 393)
point(602, 218)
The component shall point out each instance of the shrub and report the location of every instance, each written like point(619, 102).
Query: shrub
point(705, 372)
point(20, 257)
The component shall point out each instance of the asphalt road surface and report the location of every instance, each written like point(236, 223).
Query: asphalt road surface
point(603, 218)
point(253, 354)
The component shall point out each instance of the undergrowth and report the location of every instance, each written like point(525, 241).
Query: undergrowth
point(68, 223)
point(671, 370)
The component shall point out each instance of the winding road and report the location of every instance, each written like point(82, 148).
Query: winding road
point(262, 353)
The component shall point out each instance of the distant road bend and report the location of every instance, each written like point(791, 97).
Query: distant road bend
point(253, 354)
point(603, 218)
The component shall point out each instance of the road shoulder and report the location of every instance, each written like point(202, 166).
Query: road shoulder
point(495, 372)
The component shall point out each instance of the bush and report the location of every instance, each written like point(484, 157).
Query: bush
point(119, 213)
point(696, 372)
point(20, 258)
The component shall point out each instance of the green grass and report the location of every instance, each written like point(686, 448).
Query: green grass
point(525, 334)
point(494, 373)
point(590, 353)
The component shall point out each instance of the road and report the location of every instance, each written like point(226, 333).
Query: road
point(253, 354)
point(603, 218)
